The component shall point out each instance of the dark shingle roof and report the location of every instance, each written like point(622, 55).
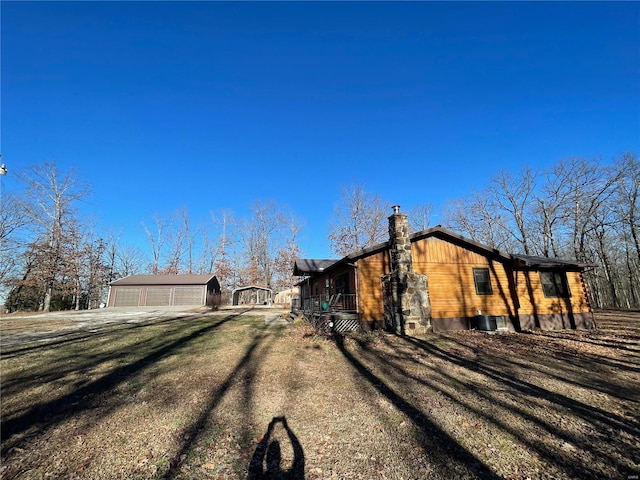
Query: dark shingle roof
point(545, 262)
point(306, 266)
point(310, 266)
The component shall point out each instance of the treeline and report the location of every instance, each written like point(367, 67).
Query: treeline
point(579, 209)
point(52, 257)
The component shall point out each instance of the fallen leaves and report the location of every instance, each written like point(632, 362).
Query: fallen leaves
point(505, 399)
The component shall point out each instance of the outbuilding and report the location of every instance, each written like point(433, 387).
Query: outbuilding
point(163, 290)
point(252, 294)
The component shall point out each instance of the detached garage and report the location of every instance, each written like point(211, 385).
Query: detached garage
point(162, 290)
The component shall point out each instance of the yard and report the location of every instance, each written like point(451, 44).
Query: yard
point(224, 396)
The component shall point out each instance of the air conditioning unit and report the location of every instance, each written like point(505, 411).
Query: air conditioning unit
point(489, 323)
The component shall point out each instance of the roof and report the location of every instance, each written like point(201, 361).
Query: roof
point(306, 266)
point(252, 287)
point(164, 280)
point(546, 262)
point(431, 232)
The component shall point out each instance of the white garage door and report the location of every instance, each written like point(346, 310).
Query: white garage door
point(127, 297)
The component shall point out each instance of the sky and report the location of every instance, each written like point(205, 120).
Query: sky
point(212, 106)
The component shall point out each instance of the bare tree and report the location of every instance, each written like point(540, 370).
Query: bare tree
point(582, 209)
point(547, 210)
point(286, 255)
point(261, 237)
point(157, 237)
point(420, 216)
point(120, 259)
point(476, 217)
point(86, 267)
point(360, 220)
point(75, 265)
point(130, 261)
point(96, 277)
point(187, 235)
point(620, 250)
point(176, 243)
point(587, 187)
point(208, 253)
point(456, 217)
point(111, 250)
point(218, 253)
point(627, 197)
point(13, 220)
point(631, 288)
point(512, 194)
point(51, 197)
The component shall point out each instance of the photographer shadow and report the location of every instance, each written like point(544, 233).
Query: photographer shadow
point(269, 449)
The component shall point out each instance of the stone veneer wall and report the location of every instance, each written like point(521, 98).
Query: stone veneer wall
point(407, 308)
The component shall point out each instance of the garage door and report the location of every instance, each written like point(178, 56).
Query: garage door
point(158, 297)
point(188, 296)
point(127, 297)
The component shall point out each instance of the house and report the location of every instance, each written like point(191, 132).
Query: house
point(163, 290)
point(437, 280)
point(286, 297)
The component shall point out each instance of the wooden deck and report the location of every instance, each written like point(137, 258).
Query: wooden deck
point(337, 313)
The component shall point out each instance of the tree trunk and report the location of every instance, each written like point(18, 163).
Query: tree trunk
point(46, 304)
point(606, 264)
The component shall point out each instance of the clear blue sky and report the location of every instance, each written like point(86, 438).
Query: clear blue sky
point(212, 105)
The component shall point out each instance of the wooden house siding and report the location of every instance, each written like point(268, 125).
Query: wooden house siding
point(516, 296)
point(370, 272)
point(549, 313)
point(449, 270)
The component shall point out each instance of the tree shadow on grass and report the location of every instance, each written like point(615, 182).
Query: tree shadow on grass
point(244, 372)
point(45, 340)
point(589, 413)
point(558, 358)
point(447, 456)
point(484, 384)
point(49, 413)
point(84, 352)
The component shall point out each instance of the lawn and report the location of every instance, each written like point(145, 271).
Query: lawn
point(223, 396)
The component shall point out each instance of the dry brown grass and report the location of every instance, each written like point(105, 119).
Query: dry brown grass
point(199, 397)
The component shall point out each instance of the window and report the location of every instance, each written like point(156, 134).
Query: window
point(482, 281)
point(554, 284)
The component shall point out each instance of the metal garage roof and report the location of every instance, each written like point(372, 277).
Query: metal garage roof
point(164, 280)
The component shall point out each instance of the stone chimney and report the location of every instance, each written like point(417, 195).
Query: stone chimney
point(407, 308)
point(399, 242)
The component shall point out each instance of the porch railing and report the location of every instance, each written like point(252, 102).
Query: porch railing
point(340, 302)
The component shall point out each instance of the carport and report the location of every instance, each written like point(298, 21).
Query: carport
point(252, 294)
